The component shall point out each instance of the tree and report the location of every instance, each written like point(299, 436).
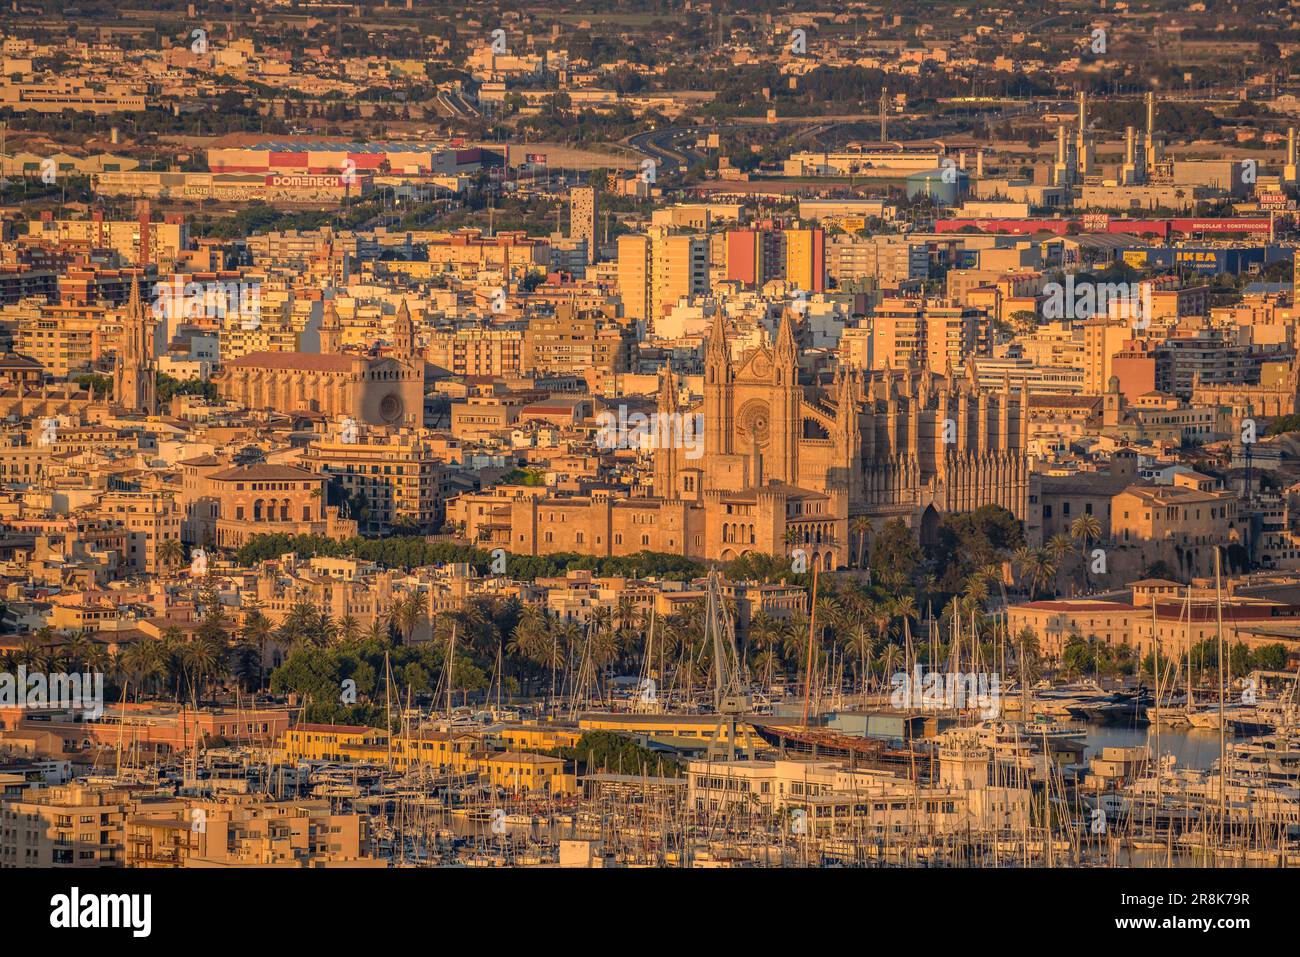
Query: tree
point(258, 632)
point(1042, 570)
point(862, 527)
point(1085, 529)
point(895, 554)
point(349, 629)
point(409, 613)
point(1028, 655)
point(171, 553)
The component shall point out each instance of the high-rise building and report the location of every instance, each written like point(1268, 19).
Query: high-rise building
point(679, 269)
point(634, 275)
point(920, 333)
point(656, 270)
point(805, 259)
point(754, 256)
point(582, 217)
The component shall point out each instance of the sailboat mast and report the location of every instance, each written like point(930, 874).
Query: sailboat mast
point(1223, 768)
point(812, 623)
point(451, 666)
point(388, 705)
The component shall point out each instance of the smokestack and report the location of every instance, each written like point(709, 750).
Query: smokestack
point(979, 164)
point(1060, 145)
point(961, 160)
point(1290, 144)
point(1083, 112)
point(1151, 114)
point(1130, 146)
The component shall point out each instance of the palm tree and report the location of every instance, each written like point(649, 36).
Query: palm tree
point(764, 635)
point(203, 658)
point(349, 629)
point(1023, 557)
point(258, 632)
point(862, 527)
point(1043, 568)
point(78, 650)
point(860, 646)
point(1060, 545)
point(904, 607)
point(171, 553)
point(1028, 654)
point(1085, 529)
point(409, 614)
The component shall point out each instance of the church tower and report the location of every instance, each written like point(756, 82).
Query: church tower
point(134, 384)
point(787, 422)
point(331, 332)
point(403, 334)
point(667, 455)
point(719, 378)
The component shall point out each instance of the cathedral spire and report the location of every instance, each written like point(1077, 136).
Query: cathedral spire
point(668, 389)
point(134, 372)
point(717, 343)
point(134, 307)
point(785, 340)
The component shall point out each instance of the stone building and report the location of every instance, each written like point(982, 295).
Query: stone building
point(782, 466)
point(374, 391)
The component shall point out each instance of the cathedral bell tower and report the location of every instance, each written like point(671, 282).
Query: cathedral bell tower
point(787, 422)
point(719, 389)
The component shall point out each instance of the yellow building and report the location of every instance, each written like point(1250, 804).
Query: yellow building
point(328, 742)
point(805, 259)
point(634, 275)
point(682, 729)
point(454, 752)
point(1056, 622)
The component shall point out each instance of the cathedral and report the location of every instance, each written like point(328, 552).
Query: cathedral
point(384, 391)
point(906, 444)
point(784, 467)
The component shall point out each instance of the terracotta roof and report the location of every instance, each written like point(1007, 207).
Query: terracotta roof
point(1073, 605)
point(262, 472)
point(335, 728)
point(297, 361)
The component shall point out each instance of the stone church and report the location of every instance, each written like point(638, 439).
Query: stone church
point(383, 391)
point(785, 466)
point(906, 444)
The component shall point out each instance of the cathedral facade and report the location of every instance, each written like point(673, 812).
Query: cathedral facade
point(906, 444)
point(785, 467)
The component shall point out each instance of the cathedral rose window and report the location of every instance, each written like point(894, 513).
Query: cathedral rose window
point(390, 408)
